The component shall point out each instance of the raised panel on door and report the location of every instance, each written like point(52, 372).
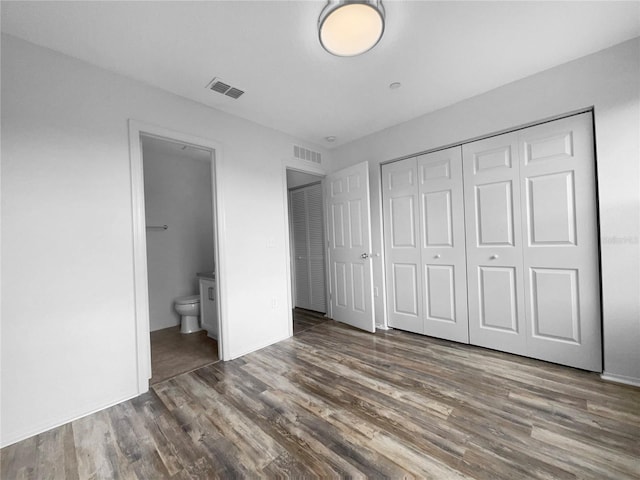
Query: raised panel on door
point(494, 214)
point(404, 288)
point(494, 247)
point(554, 303)
point(442, 245)
point(560, 255)
point(340, 283)
point(497, 296)
point(402, 246)
point(440, 303)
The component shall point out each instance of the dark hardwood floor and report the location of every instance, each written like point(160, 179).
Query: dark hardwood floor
point(173, 353)
point(336, 402)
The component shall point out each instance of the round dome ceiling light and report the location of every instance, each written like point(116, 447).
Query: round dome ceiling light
point(349, 28)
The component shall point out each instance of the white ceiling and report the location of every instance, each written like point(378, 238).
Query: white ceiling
point(441, 52)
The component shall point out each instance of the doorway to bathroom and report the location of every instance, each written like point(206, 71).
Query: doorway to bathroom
point(176, 253)
point(178, 201)
point(307, 249)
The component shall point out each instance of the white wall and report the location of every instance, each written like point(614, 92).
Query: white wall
point(609, 81)
point(177, 193)
point(68, 326)
point(297, 179)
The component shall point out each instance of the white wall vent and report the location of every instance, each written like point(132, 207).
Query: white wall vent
point(219, 86)
point(306, 154)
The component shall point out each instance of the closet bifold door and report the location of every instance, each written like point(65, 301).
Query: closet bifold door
point(308, 247)
point(402, 245)
point(559, 223)
point(532, 251)
point(494, 246)
point(315, 225)
point(300, 248)
point(442, 242)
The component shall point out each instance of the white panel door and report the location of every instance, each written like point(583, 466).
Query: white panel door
point(402, 245)
point(442, 245)
point(494, 247)
point(561, 273)
point(349, 235)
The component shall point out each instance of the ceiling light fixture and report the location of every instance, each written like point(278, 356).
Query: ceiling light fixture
point(347, 28)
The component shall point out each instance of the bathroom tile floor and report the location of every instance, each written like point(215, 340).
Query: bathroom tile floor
point(173, 353)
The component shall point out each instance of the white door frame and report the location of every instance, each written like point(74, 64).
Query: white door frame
point(298, 166)
point(140, 274)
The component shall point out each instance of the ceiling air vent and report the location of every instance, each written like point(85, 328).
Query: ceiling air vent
point(219, 86)
point(234, 92)
point(306, 154)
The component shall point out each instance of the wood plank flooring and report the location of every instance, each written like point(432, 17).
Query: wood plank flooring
point(335, 402)
point(306, 319)
point(173, 353)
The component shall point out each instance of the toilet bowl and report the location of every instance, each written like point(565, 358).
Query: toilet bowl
point(189, 309)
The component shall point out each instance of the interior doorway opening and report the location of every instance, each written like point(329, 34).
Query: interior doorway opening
point(307, 249)
point(178, 195)
point(139, 133)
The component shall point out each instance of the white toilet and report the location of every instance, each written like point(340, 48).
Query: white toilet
point(189, 309)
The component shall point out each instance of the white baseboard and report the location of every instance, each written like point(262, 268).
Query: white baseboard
point(15, 437)
point(612, 377)
point(242, 353)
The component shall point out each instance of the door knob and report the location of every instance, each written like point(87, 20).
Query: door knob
point(365, 256)
point(437, 255)
point(494, 257)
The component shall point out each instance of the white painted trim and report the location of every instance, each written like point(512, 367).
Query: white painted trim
point(291, 257)
point(298, 166)
point(141, 294)
point(381, 255)
point(370, 246)
point(49, 425)
point(260, 346)
point(612, 377)
point(140, 285)
point(304, 167)
point(327, 259)
point(287, 246)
